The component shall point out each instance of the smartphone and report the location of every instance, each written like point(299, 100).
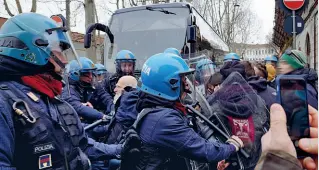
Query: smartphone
point(292, 95)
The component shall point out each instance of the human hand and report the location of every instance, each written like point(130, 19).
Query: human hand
point(222, 165)
point(88, 104)
point(277, 137)
point(236, 141)
point(310, 145)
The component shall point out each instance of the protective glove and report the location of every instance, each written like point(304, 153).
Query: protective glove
point(236, 141)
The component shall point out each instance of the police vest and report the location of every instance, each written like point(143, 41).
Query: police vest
point(136, 155)
point(42, 142)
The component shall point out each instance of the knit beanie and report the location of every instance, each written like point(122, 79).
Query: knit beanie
point(296, 59)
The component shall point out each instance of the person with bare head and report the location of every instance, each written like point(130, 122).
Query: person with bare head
point(125, 81)
point(260, 70)
point(126, 96)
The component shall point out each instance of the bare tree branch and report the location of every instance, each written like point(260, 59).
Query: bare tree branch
point(19, 6)
point(7, 8)
point(133, 3)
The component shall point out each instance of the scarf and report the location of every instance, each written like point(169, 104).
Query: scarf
point(44, 83)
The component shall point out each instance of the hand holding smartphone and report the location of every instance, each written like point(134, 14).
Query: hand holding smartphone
point(292, 95)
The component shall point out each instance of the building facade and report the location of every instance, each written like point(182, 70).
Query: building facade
point(253, 52)
point(307, 40)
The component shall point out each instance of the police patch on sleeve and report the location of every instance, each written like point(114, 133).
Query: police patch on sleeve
point(43, 148)
point(45, 161)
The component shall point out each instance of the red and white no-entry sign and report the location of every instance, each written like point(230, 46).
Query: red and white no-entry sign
point(294, 4)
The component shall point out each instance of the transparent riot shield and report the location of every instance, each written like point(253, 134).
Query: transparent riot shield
point(241, 112)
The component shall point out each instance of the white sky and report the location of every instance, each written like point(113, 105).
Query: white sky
point(264, 10)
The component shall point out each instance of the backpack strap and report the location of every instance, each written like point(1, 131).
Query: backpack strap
point(140, 117)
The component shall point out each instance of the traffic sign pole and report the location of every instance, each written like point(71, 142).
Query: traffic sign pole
point(294, 29)
point(294, 5)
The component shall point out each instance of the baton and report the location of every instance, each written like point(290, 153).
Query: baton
point(96, 123)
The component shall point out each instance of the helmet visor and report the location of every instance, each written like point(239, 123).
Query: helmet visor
point(126, 67)
point(88, 77)
point(188, 90)
point(59, 46)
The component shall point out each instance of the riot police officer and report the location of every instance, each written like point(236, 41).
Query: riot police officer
point(82, 95)
point(101, 72)
point(271, 60)
point(39, 130)
point(231, 57)
point(205, 68)
point(125, 65)
point(164, 129)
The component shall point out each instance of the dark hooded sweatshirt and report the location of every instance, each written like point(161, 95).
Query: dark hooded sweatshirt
point(244, 115)
point(263, 90)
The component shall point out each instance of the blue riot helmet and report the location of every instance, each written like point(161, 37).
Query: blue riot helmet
point(100, 72)
point(173, 51)
point(163, 75)
point(83, 74)
point(231, 57)
point(125, 63)
point(271, 60)
point(32, 41)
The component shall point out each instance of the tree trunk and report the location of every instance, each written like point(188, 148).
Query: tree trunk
point(34, 6)
point(89, 19)
point(19, 6)
point(67, 13)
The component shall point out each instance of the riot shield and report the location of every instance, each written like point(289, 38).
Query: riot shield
point(239, 111)
point(234, 109)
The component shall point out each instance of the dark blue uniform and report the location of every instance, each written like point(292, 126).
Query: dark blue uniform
point(78, 95)
point(165, 133)
point(109, 83)
point(101, 99)
point(55, 138)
